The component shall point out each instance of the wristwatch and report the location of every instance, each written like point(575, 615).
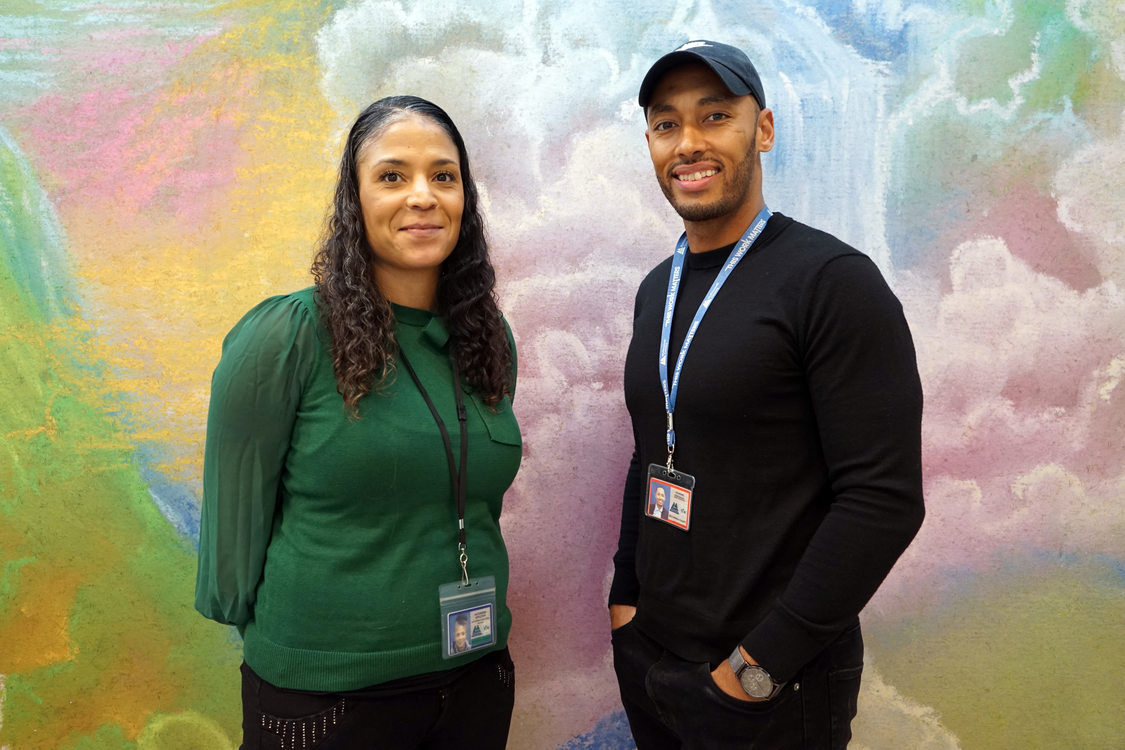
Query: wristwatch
point(755, 680)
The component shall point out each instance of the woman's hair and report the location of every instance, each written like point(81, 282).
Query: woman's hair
point(358, 316)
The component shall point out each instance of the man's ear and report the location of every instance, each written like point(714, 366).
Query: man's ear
point(765, 130)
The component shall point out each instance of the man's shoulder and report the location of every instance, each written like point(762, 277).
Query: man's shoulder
point(658, 276)
point(801, 256)
point(814, 244)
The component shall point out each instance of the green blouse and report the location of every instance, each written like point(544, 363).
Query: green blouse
point(324, 538)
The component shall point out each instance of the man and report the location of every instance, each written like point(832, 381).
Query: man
point(657, 509)
point(772, 383)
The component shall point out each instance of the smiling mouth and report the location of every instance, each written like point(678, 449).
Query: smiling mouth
point(694, 176)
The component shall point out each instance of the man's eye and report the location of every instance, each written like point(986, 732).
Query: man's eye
point(662, 126)
point(717, 116)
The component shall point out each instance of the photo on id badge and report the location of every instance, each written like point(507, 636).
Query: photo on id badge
point(669, 503)
point(469, 629)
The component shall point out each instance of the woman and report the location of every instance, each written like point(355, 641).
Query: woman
point(355, 428)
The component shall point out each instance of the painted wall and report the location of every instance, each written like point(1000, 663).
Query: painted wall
point(163, 166)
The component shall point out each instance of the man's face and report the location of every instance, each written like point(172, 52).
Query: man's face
point(704, 143)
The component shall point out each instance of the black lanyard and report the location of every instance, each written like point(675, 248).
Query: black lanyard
point(457, 475)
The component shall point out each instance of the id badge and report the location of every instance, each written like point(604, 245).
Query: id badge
point(669, 496)
point(468, 616)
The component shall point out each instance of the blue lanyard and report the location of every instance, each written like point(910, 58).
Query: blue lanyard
point(752, 232)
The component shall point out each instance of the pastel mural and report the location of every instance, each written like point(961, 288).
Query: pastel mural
point(164, 166)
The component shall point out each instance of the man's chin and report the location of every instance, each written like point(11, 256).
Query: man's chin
point(699, 212)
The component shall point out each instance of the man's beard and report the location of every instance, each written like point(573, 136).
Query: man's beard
point(731, 200)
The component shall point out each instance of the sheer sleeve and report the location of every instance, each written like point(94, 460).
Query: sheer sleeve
point(255, 391)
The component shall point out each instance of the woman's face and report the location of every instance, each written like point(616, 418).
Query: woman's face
point(460, 636)
point(412, 199)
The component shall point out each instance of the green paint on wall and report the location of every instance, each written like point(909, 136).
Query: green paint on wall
point(98, 632)
point(1027, 658)
point(1042, 54)
point(30, 236)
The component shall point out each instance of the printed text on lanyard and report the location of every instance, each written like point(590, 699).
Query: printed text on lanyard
point(670, 390)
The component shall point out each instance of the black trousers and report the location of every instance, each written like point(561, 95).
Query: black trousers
point(674, 704)
point(471, 710)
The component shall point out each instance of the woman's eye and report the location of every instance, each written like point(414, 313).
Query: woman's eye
point(391, 177)
point(444, 177)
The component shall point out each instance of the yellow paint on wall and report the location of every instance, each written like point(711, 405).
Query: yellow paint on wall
point(164, 288)
point(33, 614)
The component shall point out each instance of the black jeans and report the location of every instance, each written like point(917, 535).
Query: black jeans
point(472, 710)
point(674, 704)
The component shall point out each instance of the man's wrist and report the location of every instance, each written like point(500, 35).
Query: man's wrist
point(752, 677)
point(727, 682)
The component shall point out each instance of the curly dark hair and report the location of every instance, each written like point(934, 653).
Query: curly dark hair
point(358, 316)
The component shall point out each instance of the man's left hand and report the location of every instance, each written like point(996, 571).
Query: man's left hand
point(725, 680)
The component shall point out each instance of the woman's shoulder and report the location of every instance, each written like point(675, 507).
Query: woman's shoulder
point(277, 321)
point(268, 358)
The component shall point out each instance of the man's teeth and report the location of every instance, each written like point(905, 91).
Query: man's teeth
point(696, 175)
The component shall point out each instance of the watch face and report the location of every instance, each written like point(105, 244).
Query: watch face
point(756, 682)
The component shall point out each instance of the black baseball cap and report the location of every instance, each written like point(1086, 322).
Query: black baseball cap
point(729, 63)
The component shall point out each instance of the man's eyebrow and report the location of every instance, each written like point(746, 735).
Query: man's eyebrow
point(717, 99)
point(704, 101)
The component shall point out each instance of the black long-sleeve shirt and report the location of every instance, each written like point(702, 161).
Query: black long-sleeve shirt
point(799, 415)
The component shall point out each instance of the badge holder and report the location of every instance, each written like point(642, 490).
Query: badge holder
point(468, 616)
point(669, 496)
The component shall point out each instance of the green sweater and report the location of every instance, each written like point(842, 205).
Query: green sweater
point(324, 539)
